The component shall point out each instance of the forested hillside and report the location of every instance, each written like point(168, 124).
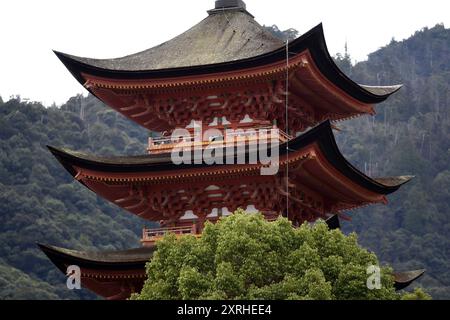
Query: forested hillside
point(40, 202)
point(409, 136)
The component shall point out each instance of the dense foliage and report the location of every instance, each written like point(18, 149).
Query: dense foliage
point(245, 257)
point(39, 201)
point(289, 34)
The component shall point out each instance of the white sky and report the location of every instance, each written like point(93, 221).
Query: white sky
point(30, 29)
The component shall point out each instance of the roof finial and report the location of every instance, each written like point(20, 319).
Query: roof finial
point(221, 4)
point(229, 5)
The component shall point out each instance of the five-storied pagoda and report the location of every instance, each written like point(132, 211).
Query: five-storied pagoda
point(229, 74)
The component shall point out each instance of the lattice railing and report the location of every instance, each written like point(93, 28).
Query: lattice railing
point(152, 235)
point(166, 144)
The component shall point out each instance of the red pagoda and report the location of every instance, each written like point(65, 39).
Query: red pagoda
point(225, 74)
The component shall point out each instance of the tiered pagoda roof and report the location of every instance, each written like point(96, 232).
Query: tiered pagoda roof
point(322, 181)
point(114, 275)
point(228, 67)
point(171, 84)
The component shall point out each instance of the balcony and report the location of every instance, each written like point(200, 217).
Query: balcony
point(150, 236)
point(166, 144)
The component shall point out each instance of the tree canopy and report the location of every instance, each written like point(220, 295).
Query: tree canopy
point(289, 34)
point(245, 257)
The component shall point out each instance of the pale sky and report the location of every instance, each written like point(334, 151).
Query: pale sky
point(30, 29)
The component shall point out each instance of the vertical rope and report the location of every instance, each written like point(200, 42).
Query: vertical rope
point(287, 128)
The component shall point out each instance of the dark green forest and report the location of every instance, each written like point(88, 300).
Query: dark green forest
point(410, 135)
point(40, 202)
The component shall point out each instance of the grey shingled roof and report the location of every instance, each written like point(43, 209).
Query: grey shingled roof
point(404, 279)
point(382, 90)
point(394, 181)
point(225, 35)
point(139, 255)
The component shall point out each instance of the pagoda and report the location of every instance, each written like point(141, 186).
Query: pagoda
point(229, 77)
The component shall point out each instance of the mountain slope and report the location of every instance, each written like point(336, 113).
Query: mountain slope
point(409, 135)
point(40, 201)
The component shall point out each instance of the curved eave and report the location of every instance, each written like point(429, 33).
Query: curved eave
point(322, 135)
point(313, 40)
point(102, 261)
point(404, 279)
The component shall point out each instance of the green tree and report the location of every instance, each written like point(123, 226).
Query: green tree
point(289, 34)
point(418, 294)
point(245, 257)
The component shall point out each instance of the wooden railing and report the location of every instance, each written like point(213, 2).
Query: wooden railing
point(166, 144)
point(271, 219)
point(150, 236)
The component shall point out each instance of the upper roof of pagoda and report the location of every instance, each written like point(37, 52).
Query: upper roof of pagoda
point(225, 35)
point(225, 43)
